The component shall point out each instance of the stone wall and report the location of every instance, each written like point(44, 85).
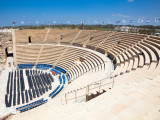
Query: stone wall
point(5, 43)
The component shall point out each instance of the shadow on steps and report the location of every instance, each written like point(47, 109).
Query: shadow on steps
point(90, 97)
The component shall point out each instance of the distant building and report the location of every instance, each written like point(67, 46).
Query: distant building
point(126, 29)
point(157, 34)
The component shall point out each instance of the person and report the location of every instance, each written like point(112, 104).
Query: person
point(9, 64)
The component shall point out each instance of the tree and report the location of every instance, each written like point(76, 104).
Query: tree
point(73, 26)
point(80, 26)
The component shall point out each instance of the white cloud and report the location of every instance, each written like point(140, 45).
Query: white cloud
point(113, 15)
point(142, 17)
point(126, 16)
point(130, 0)
point(120, 15)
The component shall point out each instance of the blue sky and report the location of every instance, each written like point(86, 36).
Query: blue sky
point(78, 10)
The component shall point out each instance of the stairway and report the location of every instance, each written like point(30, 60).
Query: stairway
point(42, 47)
point(67, 48)
point(104, 40)
point(61, 55)
point(76, 36)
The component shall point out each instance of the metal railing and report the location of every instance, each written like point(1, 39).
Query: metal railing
point(82, 94)
point(85, 91)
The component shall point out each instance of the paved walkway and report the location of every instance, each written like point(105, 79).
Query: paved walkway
point(3, 84)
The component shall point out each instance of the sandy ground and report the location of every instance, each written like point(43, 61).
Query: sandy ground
point(9, 59)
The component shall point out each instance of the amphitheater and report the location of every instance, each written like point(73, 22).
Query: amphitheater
point(81, 75)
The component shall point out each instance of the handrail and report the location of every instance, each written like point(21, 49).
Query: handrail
point(100, 84)
point(89, 89)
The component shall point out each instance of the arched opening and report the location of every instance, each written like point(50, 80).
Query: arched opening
point(9, 52)
point(29, 39)
point(6, 51)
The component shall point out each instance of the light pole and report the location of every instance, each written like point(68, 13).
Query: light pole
point(131, 24)
point(49, 24)
point(83, 24)
point(118, 25)
point(13, 23)
point(37, 23)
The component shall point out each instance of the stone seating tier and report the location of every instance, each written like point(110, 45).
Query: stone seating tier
point(136, 78)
